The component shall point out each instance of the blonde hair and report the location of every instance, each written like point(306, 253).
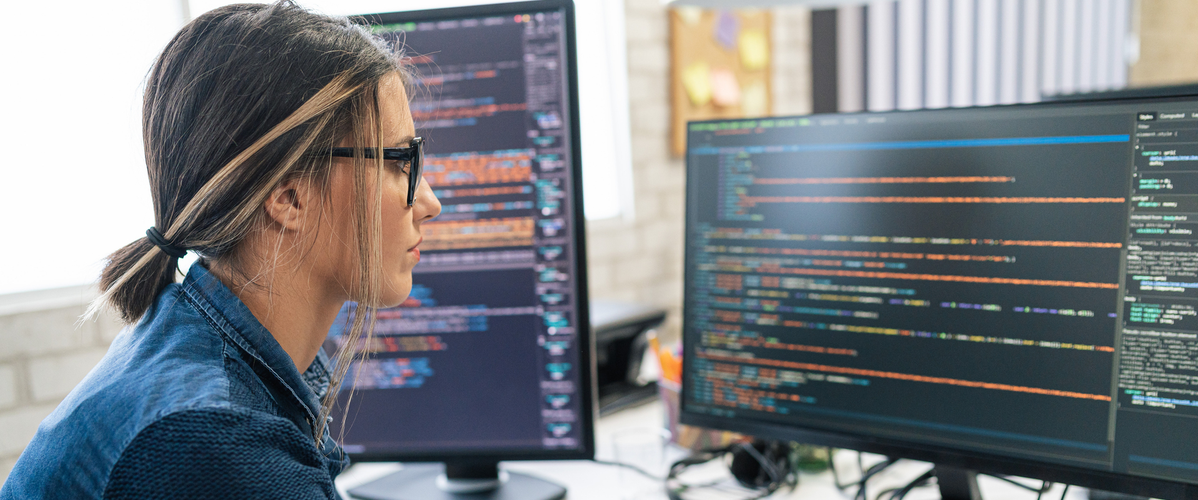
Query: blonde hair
point(242, 99)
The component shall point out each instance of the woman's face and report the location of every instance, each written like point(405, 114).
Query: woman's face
point(401, 232)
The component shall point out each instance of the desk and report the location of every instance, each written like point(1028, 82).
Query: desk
point(586, 480)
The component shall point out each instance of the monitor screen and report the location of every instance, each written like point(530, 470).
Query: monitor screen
point(486, 356)
point(1017, 282)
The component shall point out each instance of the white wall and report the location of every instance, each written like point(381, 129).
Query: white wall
point(75, 187)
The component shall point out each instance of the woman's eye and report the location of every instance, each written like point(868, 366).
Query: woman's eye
point(403, 166)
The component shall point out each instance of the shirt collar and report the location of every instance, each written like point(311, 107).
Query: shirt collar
point(236, 321)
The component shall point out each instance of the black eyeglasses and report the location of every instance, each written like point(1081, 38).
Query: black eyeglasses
point(413, 154)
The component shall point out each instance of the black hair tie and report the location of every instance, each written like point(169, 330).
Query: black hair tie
point(156, 238)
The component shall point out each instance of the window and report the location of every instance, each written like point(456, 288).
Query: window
point(79, 86)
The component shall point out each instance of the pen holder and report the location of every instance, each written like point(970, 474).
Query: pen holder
point(688, 436)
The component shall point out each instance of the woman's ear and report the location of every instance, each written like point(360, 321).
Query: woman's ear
point(289, 204)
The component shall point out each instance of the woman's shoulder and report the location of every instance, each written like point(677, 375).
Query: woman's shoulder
point(226, 453)
point(170, 363)
point(171, 359)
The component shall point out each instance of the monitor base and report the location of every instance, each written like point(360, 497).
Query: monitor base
point(429, 482)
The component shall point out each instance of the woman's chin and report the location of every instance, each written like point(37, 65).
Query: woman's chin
point(395, 292)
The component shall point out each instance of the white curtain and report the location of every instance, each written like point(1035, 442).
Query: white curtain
point(939, 53)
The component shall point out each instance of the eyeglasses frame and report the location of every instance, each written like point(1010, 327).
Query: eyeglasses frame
point(414, 154)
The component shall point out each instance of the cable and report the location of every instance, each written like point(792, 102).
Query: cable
point(836, 476)
point(922, 480)
point(777, 476)
point(1017, 483)
point(1044, 487)
point(674, 491)
point(631, 467)
point(872, 471)
point(1064, 491)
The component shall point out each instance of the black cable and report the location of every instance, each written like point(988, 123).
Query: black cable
point(871, 472)
point(1064, 491)
point(1044, 487)
point(778, 478)
point(887, 491)
point(836, 476)
point(696, 458)
point(922, 480)
point(1016, 483)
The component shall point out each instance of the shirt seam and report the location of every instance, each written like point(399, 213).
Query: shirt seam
point(222, 327)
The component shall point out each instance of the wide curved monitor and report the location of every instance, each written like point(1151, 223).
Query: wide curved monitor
point(1010, 289)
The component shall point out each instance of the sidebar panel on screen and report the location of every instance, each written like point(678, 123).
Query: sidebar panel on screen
point(483, 354)
point(1158, 364)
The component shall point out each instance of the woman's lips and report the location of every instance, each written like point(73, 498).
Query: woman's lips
point(416, 248)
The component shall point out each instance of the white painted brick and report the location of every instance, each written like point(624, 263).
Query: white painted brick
point(637, 271)
point(673, 204)
point(648, 58)
point(617, 245)
point(664, 179)
point(648, 206)
point(622, 294)
point(643, 7)
point(658, 235)
point(669, 293)
point(644, 88)
point(20, 424)
point(43, 332)
point(646, 28)
point(654, 242)
point(108, 325)
point(8, 386)
point(649, 152)
point(599, 280)
point(602, 243)
point(651, 119)
point(5, 468)
point(53, 377)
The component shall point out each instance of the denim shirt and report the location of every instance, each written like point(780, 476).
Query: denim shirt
point(197, 400)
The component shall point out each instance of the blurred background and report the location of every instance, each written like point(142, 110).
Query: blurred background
point(75, 189)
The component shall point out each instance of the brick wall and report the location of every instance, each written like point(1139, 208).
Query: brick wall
point(43, 353)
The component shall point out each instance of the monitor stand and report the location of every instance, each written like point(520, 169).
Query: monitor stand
point(957, 484)
point(458, 481)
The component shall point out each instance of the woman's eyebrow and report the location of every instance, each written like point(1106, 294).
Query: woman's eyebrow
point(407, 139)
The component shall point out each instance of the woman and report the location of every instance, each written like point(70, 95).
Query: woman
point(281, 150)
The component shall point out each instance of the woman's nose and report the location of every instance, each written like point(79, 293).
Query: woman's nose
point(426, 204)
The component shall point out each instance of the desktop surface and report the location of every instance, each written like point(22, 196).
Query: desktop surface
point(1011, 283)
point(587, 480)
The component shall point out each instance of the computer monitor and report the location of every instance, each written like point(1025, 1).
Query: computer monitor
point(489, 358)
point(1010, 289)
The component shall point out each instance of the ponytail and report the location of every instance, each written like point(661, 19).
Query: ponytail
point(134, 276)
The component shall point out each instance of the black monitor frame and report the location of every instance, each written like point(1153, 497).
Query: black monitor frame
point(944, 455)
point(585, 341)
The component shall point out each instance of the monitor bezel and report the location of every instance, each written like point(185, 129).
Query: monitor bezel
point(942, 455)
point(585, 340)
